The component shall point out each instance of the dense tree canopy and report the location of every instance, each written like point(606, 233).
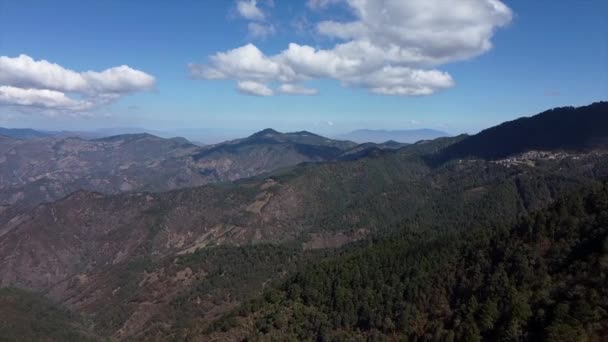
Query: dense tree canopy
point(543, 279)
point(565, 128)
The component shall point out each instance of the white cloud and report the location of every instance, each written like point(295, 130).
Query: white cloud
point(119, 80)
point(258, 27)
point(393, 47)
point(25, 72)
point(248, 9)
point(244, 63)
point(403, 81)
point(254, 88)
point(423, 31)
point(43, 98)
point(28, 82)
point(294, 89)
point(257, 30)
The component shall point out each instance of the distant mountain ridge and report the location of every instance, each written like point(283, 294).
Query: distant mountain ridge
point(22, 133)
point(403, 136)
point(48, 168)
point(299, 137)
point(311, 145)
point(564, 128)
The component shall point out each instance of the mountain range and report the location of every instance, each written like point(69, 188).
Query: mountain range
point(403, 136)
point(22, 133)
point(46, 169)
point(293, 236)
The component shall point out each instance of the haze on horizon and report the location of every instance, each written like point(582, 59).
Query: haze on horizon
point(230, 68)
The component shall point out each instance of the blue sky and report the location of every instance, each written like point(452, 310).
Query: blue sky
point(544, 54)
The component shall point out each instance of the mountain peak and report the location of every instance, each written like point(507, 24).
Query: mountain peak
point(305, 133)
point(268, 132)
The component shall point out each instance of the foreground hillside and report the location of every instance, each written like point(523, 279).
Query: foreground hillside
point(30, 317)
point(545, 278)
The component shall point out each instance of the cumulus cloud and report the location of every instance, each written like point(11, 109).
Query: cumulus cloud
point(423, 31)
point(39, 83)
point(258, 27)
point(254, 88)
point(392, 47)
point(249, 10)
point(403, 81)
point(43, 98)
point(244, 63)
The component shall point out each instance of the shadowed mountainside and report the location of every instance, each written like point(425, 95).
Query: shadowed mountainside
point(566, 128)
point(31, 317)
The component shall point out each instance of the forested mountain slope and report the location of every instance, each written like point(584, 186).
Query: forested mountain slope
point(544, 278)
point(28, 316)
point(565, 128)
